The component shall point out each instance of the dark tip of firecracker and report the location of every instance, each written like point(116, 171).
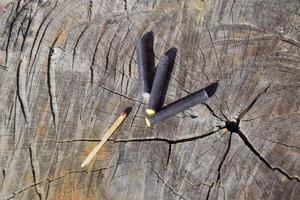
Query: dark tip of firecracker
point(148, 38)
point(211, 89)
point(171, 53)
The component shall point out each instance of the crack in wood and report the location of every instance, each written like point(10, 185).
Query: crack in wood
point(51, 80)
point(134, 116)
point(11, 26)
point(224, 158)
point(117, 54)
point(160, 139)
point(234, 128)
point(38, 47)
point(20, 95)
point(280, 143)
point(47, 191)
point(215, 51)
point(248, 108)
point(95, 51)
point(88, 186)
point(22, 190)
point(26, 30)
point(169, 153)
point(130, 62)
point(78, 140)
point(76, 44)
point(34, 173)
point(119, 94)
point(167, 140)
point(189, 114)
point(37, 34)
point(49, 86)
point(140, 168)
point(212, 112)
point(223, 114)
point(169, 186)
point(252, 148)
point(209, 190)
point(10, 113)
point(90, 7)
point(125, 5)
point(3, 178)
point(109, 49)
point(116, 167)
point(55, 179)
point(94, 59)
point(123, 74)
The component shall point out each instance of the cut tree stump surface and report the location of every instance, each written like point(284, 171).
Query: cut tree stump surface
point(68, 68)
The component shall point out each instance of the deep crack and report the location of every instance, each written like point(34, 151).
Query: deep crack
point(51, 80)
point(167, 140)
point(169, 186)
point(248, 108)
point(125, 5)
point(224, 158)
point(34, 173)
point(212, 112)
point(209, 190)
point(252, 148)
point(233, 127)
point(3, 177)
point(169, 153)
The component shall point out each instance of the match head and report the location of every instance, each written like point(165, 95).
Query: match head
point(147, 122)
point(123, 114)
point(150, 111)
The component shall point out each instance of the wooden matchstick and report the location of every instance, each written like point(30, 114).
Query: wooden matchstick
point(161, 81)
point(182, 104)
point(145, 62)
point(110, 131)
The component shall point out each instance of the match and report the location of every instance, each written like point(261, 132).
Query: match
point(110, 131)
point(145, 62)
point(182, 104)
point(161, 81)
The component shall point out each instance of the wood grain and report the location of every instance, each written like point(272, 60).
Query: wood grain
point(67, 68)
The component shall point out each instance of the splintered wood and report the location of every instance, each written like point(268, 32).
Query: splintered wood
point(110, 131)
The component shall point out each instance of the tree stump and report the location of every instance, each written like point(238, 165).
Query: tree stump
point(68, 68)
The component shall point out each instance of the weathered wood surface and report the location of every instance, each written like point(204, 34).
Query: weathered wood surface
point(68, 68)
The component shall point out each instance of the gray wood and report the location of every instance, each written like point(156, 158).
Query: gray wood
point(69, 67)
